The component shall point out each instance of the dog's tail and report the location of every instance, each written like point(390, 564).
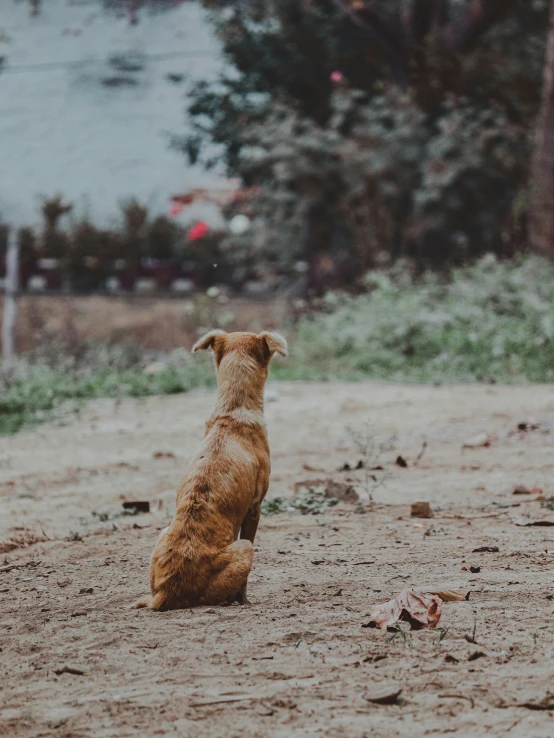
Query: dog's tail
point(145, 602)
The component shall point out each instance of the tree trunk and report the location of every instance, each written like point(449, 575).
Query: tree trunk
point(542, 197)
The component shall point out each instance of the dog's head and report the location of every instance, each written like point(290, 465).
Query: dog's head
point(252, 351)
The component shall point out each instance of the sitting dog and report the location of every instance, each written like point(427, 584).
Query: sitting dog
point(199, 559)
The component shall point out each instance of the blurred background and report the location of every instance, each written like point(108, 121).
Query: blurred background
point(375, 178)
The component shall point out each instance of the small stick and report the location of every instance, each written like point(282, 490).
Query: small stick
point(229, 698)
point(421, 453)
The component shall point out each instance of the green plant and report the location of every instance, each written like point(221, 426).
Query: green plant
point(47, 379)
point(418, 145)
point(491, 320)
point(310, 502)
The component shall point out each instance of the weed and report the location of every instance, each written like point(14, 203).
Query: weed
point(312, 502)
point(74, 535)
point(471, 638)
point(548, 503)
point(103, 517)
point(370, 450)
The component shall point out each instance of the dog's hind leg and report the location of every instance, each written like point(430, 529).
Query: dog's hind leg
point(232, 568)
point(248, 532)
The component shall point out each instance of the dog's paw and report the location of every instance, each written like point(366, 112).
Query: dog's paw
point(145, 602)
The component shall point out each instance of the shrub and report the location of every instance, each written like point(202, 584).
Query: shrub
point(418, 151)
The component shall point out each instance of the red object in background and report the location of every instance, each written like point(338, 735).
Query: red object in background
point(197, 231)
point(175, 209)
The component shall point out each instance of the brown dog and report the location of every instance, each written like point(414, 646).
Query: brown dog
point(198, 559)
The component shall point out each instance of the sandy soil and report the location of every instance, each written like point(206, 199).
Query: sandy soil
point(298, 661)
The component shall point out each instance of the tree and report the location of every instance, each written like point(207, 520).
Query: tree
point(380, 126)
point(542, 202)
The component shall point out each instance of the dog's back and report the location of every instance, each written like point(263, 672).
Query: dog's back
point(198, 559)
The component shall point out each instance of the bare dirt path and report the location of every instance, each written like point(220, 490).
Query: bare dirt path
point(298, 661)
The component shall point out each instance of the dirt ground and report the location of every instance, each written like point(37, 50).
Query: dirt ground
point(298, 661)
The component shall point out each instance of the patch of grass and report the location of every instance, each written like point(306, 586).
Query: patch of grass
point(39, 385)
point(492, 320)
point(310, 502)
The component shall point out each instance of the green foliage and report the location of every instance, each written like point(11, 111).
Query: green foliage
point(42, 384)
point(490, 321)
point(434, 168)
point(310, 502)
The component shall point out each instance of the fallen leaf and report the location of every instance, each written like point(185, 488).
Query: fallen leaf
point(137, 506)
point(163, 455)
point(547, 703)
point(421, 510)
point(421, 611)
point(452, 595)
point(527, 522)
point(401, 462)
point(475, 569)
point(450, 659)
point(457, 697)
point(224, 699)
point(481, 440)
point(309, 484)
point(486, 549)
point(521, 489)
point(341, 491)
point(476, 655)
point(7, 547)
point(308, 467)
point(374, 658)
point(69, 670)
point(383, 695)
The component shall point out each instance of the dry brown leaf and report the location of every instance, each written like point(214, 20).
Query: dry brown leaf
point(421, 611)
point(481, 440)
point(341, 491)
point(526, 522)
point(421, 510)
point(452, 595)
point(547, 703)
point(383, 694)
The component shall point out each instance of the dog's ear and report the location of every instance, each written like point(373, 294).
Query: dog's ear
point(207, 341)
point(275, 343)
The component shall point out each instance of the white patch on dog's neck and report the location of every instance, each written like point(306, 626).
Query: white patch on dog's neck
point(241, 415)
